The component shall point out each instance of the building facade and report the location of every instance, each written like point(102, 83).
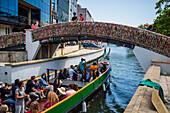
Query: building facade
point(62, 10)
point(72, 8)
point(84, 11)
point(16, 15)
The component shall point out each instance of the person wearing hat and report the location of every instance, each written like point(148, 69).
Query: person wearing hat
point(62, 93)
point(74, 18)
point(3, 108)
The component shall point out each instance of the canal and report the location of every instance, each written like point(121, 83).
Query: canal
point(125, 76)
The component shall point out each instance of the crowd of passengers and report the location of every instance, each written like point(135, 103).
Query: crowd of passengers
point(25, 97)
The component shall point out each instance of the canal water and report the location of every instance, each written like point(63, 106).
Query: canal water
point(125, 76)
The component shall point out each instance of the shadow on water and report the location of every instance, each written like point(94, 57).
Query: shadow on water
point(125, 76)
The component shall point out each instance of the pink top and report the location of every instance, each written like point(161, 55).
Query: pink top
point(34, 26)
point(48, 104)
point(81, 18)
point(70, 92)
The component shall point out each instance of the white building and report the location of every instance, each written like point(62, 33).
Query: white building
point(84, 11)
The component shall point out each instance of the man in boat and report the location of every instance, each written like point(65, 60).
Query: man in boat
point(30, 88)
point(93, 67)
point(72, 72)
point(82, 65)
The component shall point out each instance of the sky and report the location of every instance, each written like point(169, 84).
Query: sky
point(126, 12)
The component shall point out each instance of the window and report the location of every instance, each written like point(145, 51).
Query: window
point(53, 6)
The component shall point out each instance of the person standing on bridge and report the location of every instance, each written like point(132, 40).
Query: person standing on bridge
point(74, 18)
point(81, 18)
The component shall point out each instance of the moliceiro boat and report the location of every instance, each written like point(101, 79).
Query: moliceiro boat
point(86, 91)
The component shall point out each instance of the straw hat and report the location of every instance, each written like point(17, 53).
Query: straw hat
point(4, 108)
point(2, 85)
point(62, 90)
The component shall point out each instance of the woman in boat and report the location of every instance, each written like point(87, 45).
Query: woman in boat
point(76, 88)
point(52, 99)
point(37, 87)
point(44, 84)
point(65, 73)
point(34, 108)
point(71, 90)
point(61, 75)
point(62, 93)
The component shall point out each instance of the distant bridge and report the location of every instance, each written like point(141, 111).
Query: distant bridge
point(107, 32)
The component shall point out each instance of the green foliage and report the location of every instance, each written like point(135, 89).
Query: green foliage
point(141, 26)
point(162, 21)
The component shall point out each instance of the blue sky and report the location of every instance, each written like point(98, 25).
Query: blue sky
point(127, 12)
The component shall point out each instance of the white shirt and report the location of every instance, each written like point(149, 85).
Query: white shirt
point(71, 71)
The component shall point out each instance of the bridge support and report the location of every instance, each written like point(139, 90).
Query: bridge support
point(32, 48)
point(145, 58)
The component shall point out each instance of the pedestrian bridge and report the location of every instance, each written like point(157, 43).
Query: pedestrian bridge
point(107, 32)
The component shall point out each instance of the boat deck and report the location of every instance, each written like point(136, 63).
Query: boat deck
point(66, 83)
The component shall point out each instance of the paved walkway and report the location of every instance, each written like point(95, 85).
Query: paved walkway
point(83, 51)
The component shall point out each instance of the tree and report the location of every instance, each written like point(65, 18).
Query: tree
point(162, 21)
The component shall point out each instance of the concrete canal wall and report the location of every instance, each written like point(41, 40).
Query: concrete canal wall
point(141, 101)
point(24, 70)
point(13, 56)
point(145, 58)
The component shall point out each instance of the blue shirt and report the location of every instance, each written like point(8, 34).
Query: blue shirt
point(82, 64)
point(36, 86)
point(42, 82)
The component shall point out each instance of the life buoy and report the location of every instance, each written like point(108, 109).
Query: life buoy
point(106, 63)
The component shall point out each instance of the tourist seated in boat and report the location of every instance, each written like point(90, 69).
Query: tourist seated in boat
point(61, 75)
point(76, 88)
point(3, 108)
point(43, 84)
point(37, 87)
point(34, 94)
point(20, 98)
point(76, 67)
point(14, 87)
point(5, 96)
point(93, 76)
point(98, 73)
point(72, 72)
point(65, 72)
point(87, 76)
point(52, 99)
point(103, 68)
point(62, 93)
point(34, 108)
point(79, 72)
point(71, 90)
